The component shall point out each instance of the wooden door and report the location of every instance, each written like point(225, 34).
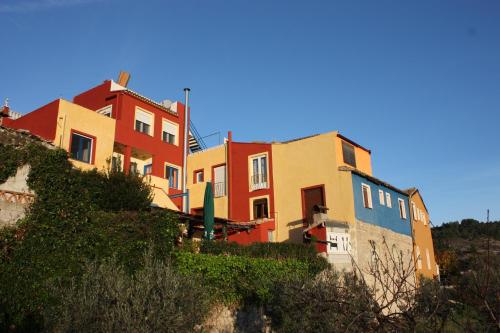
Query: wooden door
point(311, 197)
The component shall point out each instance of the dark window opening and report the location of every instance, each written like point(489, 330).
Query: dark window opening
point(142, 127)
point(168, 137)
point(133, 168)
point(260, 209)
point(81, 148)
point(348, 154)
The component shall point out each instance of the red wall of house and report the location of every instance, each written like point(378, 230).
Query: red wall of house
point(239, 179)
point(41, 122)
point(320, 233)
point(124, 106)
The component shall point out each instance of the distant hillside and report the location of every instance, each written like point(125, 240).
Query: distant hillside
point(459, 245)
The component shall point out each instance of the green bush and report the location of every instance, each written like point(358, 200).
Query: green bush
point(302, 252)
point(105, 298)
point(237, 278)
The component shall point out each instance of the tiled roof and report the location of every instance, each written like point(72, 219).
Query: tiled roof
point(373, 179)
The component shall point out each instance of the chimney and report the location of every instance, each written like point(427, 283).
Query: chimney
point(5, 112)
point(123, 78)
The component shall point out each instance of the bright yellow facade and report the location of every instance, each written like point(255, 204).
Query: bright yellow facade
point(205, 161)
point(73, 117)
point(305, 163)
point(423, 251)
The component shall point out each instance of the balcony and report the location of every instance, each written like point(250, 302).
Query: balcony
point(258, 181)
point(219, 189)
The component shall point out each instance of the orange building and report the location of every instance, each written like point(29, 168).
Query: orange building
point(423, 246)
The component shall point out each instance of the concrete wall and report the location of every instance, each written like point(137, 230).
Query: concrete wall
point(10, 212)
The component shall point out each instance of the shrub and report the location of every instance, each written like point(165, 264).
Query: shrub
point(107, 299)
point(237, 278)
point(302, 252)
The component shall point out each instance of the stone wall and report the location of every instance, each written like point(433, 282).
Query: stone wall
point(15, 197)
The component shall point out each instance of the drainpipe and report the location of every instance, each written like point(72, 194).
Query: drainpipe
point(229, 174)
point(186, 143)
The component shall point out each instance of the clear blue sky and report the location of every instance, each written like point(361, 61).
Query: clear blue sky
point(417, 82)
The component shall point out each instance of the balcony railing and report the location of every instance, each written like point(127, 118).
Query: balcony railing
point(258, 181)
point(219, 189)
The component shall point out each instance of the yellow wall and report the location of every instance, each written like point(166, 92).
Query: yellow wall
point(363, 158)
point(206, 160)
point(305, 163)
point(73, 116)
point(422, 238)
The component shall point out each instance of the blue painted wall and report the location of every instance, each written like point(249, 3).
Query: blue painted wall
point(379, 215)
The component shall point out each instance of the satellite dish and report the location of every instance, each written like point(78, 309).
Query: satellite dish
point(167, 103)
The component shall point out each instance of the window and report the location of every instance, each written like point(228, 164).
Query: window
point(338, 243)
point(424, 218)
point(133, 168)
point(367, 196)
point(414, 209)
point(402, 209)
point(419, 258)
point(169, 132)
point(219, 173)
point(259, 172)
point(381, 197)
point(348, 154)
point(260, 209)
point(106, 111)
point(116, 164)
point(428, 259)
point(172, 174)
point(388, 199)
point(270, 237)
point(148, 169)
point(81, 148)
point(143, 121)
point(198, 176)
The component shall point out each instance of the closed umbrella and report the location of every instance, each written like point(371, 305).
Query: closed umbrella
point(208, 212)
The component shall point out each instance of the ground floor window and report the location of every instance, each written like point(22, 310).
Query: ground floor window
point(81, 148)
point(260, 209)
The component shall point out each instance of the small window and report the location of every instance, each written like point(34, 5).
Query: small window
point(259, 172)
point(381, 197)
point(172, 174)
point(148, 169)
point(424, 218)
point(402, 209)
point(270, 237)
point(116, 164)
point(169, 132)
point(419, 258)
point(348, 154)
point(133, 168)
point(81, 148)
point(388, 199)
point(414, 209)
point(367, 196)
point(260, 209)
point(106, 111)
point(198, 176)
point(143, 121)
point(428, 257)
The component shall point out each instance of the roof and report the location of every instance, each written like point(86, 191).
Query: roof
point(412, 191)
point(372, 179)
point(10, 136)
point(353, 143)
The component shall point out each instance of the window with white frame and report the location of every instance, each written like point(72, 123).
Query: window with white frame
point(381, 197)
point(428, 257)
point(258, 178)
point(143, 121)
point(170, 132)
point(424, 218)
point(172, 175)
point(388, 201)
point(367, 196)
point(338, 243)
point(402, 208)
point(419, 258)
point(106, 111)
point(414, 210)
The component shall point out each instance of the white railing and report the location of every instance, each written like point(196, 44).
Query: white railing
point(258, 181)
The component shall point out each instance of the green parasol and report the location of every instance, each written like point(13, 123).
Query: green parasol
point(208, 212)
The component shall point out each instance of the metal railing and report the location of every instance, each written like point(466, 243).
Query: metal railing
point(258, 181)
point(219, 189)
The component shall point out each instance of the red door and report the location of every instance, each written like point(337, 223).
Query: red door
point(311, 196)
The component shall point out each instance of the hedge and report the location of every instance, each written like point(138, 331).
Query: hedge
point(237, 278)
point(302, 252)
